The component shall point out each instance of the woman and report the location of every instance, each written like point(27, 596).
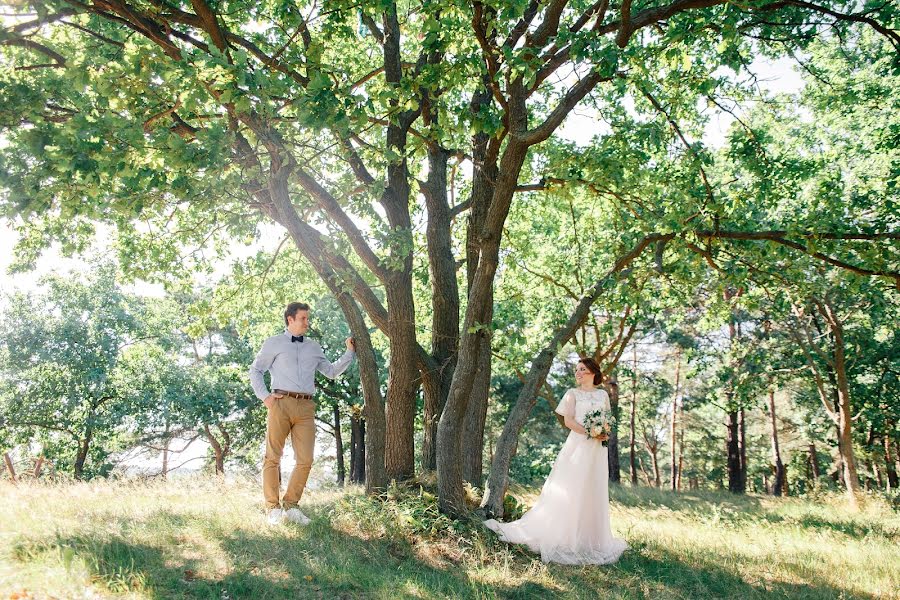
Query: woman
point(569, 523)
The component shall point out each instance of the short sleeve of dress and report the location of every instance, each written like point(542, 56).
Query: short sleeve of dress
point(606, 403)
point(566, 406)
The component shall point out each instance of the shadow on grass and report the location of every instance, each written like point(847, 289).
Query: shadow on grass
point(654, 572)
point(689, 501)
point(319, 563)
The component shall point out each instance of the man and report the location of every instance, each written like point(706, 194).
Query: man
point(292, 361)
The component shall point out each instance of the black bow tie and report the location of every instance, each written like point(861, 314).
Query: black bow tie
point(297, 338)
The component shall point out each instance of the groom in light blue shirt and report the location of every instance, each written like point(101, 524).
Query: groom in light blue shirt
point(292, 360)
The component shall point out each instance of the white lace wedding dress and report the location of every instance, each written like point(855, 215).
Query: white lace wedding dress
point(569, 523)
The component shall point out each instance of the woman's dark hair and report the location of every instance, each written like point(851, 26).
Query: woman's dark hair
point(594, 368)
point(292, 309)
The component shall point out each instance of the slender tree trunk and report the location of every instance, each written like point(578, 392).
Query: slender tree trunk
point(680, 441)
point(737, 482)
point(743, 444)
point(644, 471)
point(654, 459)
point(339, 446)
point(218, 450)
point(357, 448)
point(673, 423)
point(165, 458)
point(315, 252)
point(612, 388)
point(845, 420)
point(10, 467)
point(890, 468)
point(83, 449)
point(814, 462)
point(732, 447)
point(498, 481)
point(165, 451)
point(779, 483)
point(632, 446)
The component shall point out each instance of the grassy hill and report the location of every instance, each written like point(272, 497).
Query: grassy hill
point(202, 538)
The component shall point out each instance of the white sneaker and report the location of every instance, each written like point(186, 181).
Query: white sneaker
point(295, 516)
point(275, 516)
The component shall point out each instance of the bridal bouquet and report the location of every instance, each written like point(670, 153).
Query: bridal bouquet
point(599, 423)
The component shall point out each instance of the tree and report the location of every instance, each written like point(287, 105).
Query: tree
point(60, 351)
point(249, 125)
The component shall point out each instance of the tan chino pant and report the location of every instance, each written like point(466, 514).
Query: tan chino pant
point(294, 417)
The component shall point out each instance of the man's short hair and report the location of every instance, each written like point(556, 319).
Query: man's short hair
point(293, 308)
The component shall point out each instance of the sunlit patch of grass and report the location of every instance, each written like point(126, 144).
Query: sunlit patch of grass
point(204, 538)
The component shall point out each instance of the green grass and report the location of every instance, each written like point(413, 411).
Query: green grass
point(200, 538)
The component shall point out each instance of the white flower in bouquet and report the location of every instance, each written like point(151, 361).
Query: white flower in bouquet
point(599, 422)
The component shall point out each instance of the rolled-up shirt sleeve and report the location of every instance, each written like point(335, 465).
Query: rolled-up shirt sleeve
point(333, 370)
point(260, 365)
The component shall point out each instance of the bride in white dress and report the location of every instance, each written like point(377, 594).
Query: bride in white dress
point(569, 523)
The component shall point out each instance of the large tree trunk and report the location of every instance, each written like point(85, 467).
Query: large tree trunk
point(473, 448)
point(779, 484)
point(444, 298)
point(339, 446)
point(403, 378)
point(612, 388)
point(483, 180)
point(475, 330)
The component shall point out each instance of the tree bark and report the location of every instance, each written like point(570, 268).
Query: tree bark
point(357, 448)
point(779, 484)
point(680, 442)
point(632, 447)
point(444, 297)
point(218, 450)
point(732, 448)
point(612, 388)
point(473, 449)
point(10, 467)
point(654, 459)
point(890, 468)
point(845, 416)
point(339, 446)
point(814, 462)
point(743, 445)
point(83, 449)
point(673, 424)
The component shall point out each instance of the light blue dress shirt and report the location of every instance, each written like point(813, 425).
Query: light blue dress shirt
point(293, 365)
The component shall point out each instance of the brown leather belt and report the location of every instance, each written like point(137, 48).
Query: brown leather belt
point(298, 395)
